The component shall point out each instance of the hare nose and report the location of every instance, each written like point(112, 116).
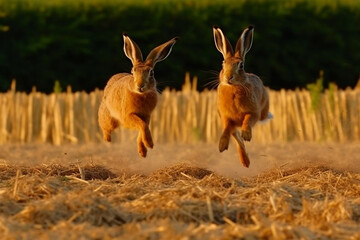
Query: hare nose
point(142, 87)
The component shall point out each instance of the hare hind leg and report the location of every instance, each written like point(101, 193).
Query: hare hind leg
point(106, 122)
point(241, 149)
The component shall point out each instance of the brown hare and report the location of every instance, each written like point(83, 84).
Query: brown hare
point(242, 98)
point(129, 99)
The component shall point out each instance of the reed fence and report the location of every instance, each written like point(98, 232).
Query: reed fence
point(180, 116)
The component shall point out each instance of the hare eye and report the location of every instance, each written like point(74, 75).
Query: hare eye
point(241, 65)
point(151, 73)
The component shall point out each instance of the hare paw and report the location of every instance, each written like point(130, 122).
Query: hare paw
point(149, 142)
point(246, 134)
point(142, 150)
point(107, 137)
point(223, 144)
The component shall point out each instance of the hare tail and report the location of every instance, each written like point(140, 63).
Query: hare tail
point(268, 118)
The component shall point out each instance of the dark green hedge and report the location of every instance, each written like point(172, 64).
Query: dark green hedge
point(82, 46)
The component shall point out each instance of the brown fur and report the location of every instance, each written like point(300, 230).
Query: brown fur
point(242, 98)
point(129, 99)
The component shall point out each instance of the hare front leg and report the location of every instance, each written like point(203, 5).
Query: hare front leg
point(144, 131)
point(241, 149)
point(141, 147)
point(147, 138)
point(249, 121)
point(225, 137)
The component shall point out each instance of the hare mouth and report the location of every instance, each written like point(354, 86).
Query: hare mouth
point(235, 82)
point(142, 90)
point(231, 83)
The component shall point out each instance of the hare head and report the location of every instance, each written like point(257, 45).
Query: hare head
point(143, 71)
point(233, 72)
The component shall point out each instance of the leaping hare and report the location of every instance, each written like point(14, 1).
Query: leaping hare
point(242, 98)
point(129, 99)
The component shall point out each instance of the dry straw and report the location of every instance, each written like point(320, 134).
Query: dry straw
point(178, 202)
point(180, 116)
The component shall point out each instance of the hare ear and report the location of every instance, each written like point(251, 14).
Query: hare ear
point(132, 50)
point(244, 43)
point(160, 52)
point(222, 43)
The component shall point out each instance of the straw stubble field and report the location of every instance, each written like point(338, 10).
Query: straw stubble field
point(101, 191)
point(299, 184)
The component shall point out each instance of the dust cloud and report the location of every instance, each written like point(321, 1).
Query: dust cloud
point(119, 157)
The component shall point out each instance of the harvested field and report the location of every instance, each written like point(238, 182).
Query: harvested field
point(100, 191)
